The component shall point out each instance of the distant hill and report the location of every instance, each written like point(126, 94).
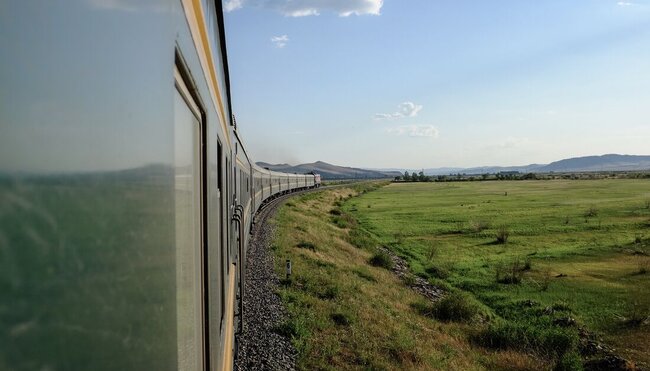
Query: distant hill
point(329, 171)
point(610, 162)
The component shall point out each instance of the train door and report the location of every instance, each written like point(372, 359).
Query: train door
point(223, 240)
point(190, 215)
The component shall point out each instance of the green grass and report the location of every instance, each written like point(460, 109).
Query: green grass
point(581, 243)
point(347, 311)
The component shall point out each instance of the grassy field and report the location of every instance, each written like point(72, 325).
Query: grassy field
point(537, 254)
point(346, 311)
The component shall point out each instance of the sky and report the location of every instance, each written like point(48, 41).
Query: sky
point(429, 83)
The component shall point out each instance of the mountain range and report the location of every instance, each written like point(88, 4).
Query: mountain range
point(609, 162)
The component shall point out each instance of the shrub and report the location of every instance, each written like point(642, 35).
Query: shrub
point(636, 316)
point(591, 212)
point(409, 279)
point(381, 259)
point(343, 221)
point(570, 361)
point(295, 328)
point(638, 239)
point(306, 245)
point(331, 292)
point(335, 212)
point(340, 319)
point(436, 272)
point(502, 235)
point(510, 274)
point(528, 337)
point(453, 307)
point(361, 239)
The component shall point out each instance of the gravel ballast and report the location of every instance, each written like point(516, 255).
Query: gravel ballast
point(260, 348)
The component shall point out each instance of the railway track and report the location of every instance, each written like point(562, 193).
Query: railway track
point(260, 347)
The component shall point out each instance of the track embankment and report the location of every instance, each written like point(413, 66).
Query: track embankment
point(260, 346)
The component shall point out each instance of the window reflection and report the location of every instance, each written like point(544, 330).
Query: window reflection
point(188, 234)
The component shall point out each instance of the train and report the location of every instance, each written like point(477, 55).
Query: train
point(127, 196)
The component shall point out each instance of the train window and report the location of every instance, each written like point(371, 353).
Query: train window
point(188, 158)
point(226, 261)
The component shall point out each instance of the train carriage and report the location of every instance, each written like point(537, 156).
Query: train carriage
point(127, 195)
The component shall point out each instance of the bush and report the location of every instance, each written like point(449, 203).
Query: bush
point(331, 292)
point(381, 259)
point(343, 221)
point(570, 361)
point(510, 274)
point(335, 212)
point(502, 235)
point(591, 212)
point(638, 239)
point(295, 328)
point(306, 245)
point(453, 307)
point(525, 336)
point(340, 319)
point(409, 279)
point(361, 239)
point(636, 316)
point(437, 272)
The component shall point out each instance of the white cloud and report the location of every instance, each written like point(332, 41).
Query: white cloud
point(624, 3)
point(280, 41)
point(512, 142)
point(406, 109)
point(387, 116)
point(409, 109)
point(428, 131)
point(302, 8)
point(230, 5)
